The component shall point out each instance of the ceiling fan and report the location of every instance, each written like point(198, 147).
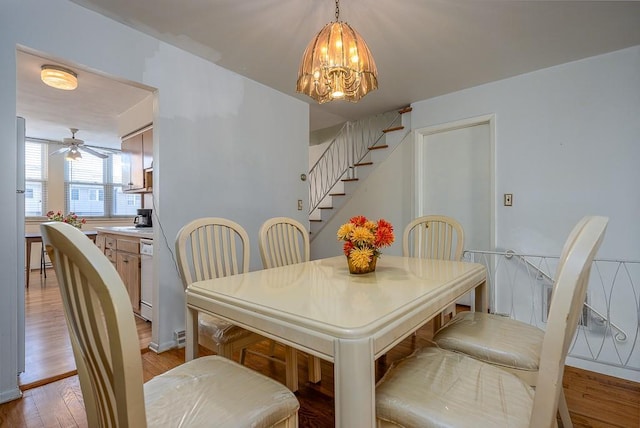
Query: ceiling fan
point(74, 146)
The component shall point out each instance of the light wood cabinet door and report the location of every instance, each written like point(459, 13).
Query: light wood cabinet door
point(124, 253)
point(137, 157)
point(100, 242)
point(132, 158)
point(128, 266)
point(147, 149)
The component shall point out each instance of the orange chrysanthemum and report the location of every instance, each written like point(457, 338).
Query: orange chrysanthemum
point(364, 236)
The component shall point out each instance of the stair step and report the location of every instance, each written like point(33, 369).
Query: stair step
point(325, 208)
point(405, 110)
point(397, 128)
point(378, 147)
point(337, 194)
point(349, 179)
point(363, 164)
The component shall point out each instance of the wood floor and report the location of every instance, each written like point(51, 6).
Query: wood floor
point(48, 354)
point(594, 400)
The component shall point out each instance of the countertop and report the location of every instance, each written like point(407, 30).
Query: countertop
point(137, 232)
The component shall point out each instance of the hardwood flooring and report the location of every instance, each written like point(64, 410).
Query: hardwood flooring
point(48, 354)
point(594, 400)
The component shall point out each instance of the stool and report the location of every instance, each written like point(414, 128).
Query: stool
point(43, 262)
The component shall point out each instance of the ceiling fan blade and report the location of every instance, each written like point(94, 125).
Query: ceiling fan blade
point(62, 150)
point(93, 152)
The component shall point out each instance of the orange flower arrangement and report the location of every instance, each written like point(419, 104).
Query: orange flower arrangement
point(364, 238)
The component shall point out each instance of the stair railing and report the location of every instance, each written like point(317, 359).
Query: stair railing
point(599, 339)
point(350, 146)
point(620, 336)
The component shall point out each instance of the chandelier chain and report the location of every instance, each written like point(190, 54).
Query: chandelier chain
point(337, 10)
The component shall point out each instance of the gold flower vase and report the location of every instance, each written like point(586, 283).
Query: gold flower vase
point(371, 267)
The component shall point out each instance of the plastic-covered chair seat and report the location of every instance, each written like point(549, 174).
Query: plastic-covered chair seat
point(218, 331)
point(487, 337)
point(439, 387)
point(218, 392)
point(209, 391)
point(461, 392)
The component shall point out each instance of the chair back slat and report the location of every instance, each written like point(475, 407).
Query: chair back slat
point(211, 247)
point(433, 237)
point(101, 327)
point(570, 289)
point(283, 241)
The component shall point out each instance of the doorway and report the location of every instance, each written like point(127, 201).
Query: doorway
point(454, 176)
point(103, 108)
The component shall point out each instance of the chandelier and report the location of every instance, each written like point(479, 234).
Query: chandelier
point(337, 64)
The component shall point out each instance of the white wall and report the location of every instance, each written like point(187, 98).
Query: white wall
point(567, 145)
point(216, 136)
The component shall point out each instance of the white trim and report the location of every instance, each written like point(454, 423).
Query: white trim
point(10, 394)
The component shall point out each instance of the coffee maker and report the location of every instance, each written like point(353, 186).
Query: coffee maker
point(143, 219)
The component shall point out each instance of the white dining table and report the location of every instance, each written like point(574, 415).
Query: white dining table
point(350, 320)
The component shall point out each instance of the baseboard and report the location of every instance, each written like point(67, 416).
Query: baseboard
point(10, 395)
point(159, 348)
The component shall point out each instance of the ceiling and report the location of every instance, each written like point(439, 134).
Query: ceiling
point(93, 108)
point(422, 48)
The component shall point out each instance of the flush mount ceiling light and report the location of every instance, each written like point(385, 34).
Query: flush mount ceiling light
point(59, 77)
point(337, 64)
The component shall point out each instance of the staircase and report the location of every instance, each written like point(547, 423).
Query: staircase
point(350, 157)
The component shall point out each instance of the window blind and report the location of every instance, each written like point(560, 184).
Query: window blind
point(35, 160)
point(93, 187)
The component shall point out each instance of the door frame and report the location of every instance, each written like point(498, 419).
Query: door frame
point(420, 139)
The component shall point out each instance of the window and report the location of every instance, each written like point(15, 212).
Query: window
point(35, 195)
point(93, 187)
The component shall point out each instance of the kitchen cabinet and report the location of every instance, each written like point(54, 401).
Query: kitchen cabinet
point(137, 161)
point(128, 267)
point(100, 242)
point(124, 252)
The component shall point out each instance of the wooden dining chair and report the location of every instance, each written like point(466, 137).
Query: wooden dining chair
point(435, 237)
point(208, 391)
point(284, 241)
point(508, 343)
point(214, 247)
point(439, 387)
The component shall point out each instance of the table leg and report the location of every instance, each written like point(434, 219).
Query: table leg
point(315, 370)
point(354, 373)
point(291, 368)
point(481, 297)
point(191, 332)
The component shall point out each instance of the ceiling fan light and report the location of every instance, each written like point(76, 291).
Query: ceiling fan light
point(73, 154)
point(59, 77)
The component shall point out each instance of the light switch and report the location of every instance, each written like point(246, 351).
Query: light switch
point(508, 199)
point(299, 204)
